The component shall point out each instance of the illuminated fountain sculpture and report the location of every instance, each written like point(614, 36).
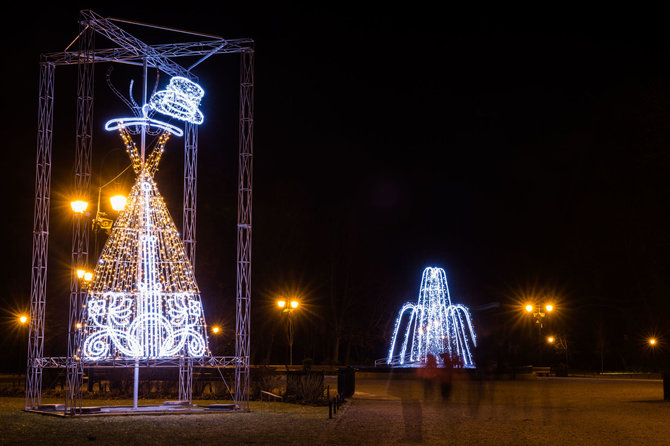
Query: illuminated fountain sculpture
point(432, 326)
point(143, 302)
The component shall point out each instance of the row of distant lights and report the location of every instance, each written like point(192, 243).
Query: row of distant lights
point(651, 341)
point(23, 319)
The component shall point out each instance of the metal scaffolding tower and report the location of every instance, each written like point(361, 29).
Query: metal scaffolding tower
point(132, 51)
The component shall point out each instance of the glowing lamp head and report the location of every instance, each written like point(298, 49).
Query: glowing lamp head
point(78, 325)
point(88, 276)
point(294, 304)
point(549, 307)
point(118, 202)
point(78, 206)
point(652, 341)
point(529, 308)
point(81, 273)
point(550, 339)
point(216, 330)
point(23, 319)
point(281, 303)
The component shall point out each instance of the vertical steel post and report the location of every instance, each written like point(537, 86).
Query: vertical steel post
point(80, 224)
point(186, 379)
point(188, 234)
point(243, 302)
point(38, 282)
point(136, 382)
point(190, 189)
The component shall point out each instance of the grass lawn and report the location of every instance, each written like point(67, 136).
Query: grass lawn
point(273, 423)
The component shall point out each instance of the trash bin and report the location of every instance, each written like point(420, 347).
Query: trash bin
point(346, 381)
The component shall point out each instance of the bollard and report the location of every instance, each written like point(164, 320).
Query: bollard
point(330, 410)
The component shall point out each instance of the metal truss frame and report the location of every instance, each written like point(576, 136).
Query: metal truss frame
point(80, 226)
point(135, 52)
point(60, 362)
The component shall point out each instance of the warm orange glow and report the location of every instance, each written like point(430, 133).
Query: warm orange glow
point(216, 330)
point(550, 339)
point(88, 276)
point(529, 308)
point(78, 206)
point(549, 307)
point(118, 202)
point(652, 341)
point(23, 319)
point(78, 325)
point(294, 304)
point(81, 273)
point(281, 303)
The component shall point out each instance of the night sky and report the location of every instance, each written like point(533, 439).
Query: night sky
point(524, 151)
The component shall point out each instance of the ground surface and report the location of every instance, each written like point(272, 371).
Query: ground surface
point(545, 411)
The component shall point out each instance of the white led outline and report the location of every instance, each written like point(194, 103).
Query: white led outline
point(148, 321)
point(179, 100)
point(433, 326)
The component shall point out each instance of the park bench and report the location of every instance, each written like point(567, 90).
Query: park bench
point(542, 371)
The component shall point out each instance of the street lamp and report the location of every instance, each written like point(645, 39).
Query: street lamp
point(539, 313)
point(84, 275)
point(118, 202)
point(78, 206)
point(653, 342)
point(288, 308)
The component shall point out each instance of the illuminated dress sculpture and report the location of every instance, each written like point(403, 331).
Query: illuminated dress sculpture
point(433, 326)
point(144, 302)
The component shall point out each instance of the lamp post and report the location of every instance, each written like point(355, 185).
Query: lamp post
point(539, 313)
point(22, 320)
point(288, 308)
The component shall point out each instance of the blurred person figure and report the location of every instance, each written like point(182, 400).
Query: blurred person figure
point(446, 374)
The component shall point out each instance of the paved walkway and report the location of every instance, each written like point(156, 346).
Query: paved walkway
point(545, 411)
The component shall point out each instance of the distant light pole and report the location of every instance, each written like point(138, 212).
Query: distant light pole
point(560, 345)
point(22, 320)
point(288, 308)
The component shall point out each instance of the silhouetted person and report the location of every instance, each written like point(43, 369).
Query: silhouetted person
point(446, 375)
point(429, 375)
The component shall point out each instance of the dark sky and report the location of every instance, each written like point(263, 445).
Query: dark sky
point(524, 151)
